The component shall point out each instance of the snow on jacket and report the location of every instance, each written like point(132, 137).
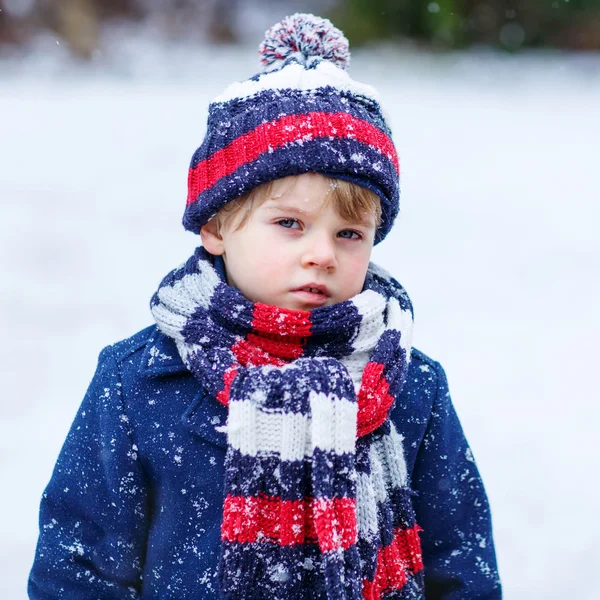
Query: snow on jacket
point(134, 505)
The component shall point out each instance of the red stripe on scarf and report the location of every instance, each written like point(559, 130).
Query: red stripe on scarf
point(374, 401)
point(223, 395)
point(394, 563)
point(281, 322)
point(275, 134)
point(330, 523)
point(280, 335)
point(249, 353)
point(281, 351)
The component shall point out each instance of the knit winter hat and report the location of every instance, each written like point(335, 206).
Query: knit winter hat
point(302, 114)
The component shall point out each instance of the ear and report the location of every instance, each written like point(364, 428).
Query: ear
point(211, 240)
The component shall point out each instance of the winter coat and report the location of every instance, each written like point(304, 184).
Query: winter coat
point(134, 505)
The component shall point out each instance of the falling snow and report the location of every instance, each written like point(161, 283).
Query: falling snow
point(485, 313)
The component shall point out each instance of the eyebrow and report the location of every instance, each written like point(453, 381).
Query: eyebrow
point(297, 211)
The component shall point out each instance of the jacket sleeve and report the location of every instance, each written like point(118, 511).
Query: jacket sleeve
point(94, 511)
point(452, 508)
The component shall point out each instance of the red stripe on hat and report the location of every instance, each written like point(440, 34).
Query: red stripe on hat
point(330, 523)
point(268, 137)
point(394, 563)
point(373, 399)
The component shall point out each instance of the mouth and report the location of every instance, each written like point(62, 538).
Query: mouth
point(313, 293)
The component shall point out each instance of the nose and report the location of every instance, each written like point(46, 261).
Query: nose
point(319, 251)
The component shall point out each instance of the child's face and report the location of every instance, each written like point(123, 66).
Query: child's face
point(293, 240)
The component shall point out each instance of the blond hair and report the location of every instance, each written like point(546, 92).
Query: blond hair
point(351, 201)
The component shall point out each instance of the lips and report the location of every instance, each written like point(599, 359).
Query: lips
point(313, 288)
point(313, 294)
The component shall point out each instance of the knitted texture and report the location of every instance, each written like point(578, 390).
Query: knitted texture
point(302, 114)
point(307, 35)
point(316, 488)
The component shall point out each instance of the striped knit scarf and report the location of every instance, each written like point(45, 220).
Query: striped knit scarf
point(316, 499)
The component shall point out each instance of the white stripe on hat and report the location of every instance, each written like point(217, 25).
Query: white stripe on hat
point(295, 76)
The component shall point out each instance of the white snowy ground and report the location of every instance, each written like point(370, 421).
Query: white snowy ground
point(497, 244)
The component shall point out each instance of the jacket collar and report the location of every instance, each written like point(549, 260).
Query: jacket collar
point(204, 416)
point(160, 356)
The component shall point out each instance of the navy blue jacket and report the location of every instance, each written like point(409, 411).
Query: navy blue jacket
point(134, 505)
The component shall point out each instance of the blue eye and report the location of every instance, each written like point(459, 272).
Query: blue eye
point(292, 221)
point(358, 235)
point(289, 224)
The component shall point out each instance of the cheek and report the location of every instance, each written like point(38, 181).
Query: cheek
point(260, 261)
point(356, 270)
point(359, 260)
point(271, 266)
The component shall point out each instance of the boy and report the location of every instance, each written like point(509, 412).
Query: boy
point(274, 435)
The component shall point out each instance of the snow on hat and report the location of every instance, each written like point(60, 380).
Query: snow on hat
point(302, 113)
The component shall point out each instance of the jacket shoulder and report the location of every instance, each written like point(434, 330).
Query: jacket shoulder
point(123, 349)
point(424, 372)
point(149, 353)
point(422, 359)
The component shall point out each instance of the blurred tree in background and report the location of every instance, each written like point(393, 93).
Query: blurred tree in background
point(511, 24)
point(78, 22)
point(441, 24)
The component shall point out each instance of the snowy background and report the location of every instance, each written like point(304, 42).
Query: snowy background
point(497, 244)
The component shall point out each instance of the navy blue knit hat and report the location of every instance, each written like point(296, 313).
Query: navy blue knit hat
point(302, 114)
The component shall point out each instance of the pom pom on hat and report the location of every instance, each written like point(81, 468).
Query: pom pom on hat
point(306, 36)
